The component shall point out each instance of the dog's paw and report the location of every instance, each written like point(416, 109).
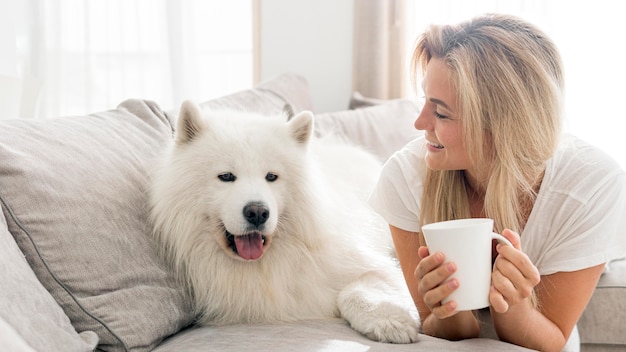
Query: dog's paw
point(387, 323)
point(379, 306)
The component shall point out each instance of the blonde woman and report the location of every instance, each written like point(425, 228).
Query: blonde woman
point(493, 148)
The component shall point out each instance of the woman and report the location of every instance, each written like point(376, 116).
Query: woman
point(493, 148)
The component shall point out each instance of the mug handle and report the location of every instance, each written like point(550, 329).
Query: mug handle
point(502, 239)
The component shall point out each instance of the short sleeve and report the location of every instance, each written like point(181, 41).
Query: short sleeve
point(397, 194)
point(593, 233)
point(580, 214)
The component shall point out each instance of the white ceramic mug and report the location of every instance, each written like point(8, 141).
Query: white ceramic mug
point(467, 243)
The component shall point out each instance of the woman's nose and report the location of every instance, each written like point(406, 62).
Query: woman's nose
point(421, 122)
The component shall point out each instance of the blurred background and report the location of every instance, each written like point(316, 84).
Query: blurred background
point(69, 57)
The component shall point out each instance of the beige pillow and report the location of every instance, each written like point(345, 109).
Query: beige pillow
point(381, 129)
point(268, 97)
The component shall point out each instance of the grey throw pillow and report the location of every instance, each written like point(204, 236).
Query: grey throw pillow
point(74, 193)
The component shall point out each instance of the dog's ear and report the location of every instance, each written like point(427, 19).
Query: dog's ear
point(301, 126)
point(189, 122)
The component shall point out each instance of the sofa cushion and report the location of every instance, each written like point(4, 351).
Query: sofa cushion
point(322, 335)
point(74, 193)
point(604, 318)
point(268, 97)
point(380, 128)
point(30, 319)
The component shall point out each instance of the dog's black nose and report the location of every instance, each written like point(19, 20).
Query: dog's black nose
point(256, 213)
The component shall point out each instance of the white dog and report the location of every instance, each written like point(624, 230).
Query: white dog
point(266, 223)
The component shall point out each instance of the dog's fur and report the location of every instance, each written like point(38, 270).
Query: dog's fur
point(266, 223)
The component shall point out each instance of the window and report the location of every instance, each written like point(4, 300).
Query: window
point(589, 36)
point(91, 55)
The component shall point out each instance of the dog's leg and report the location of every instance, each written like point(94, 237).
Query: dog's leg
point(379, 307)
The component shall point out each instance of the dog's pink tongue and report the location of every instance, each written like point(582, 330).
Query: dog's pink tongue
point(250, 246)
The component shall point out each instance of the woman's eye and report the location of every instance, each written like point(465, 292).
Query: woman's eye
point(439, 116)
point(271, 177)
point(227, 177)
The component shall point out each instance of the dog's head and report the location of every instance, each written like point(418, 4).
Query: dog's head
point(240, 169)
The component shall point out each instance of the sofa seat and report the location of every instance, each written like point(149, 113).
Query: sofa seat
point(312, 335)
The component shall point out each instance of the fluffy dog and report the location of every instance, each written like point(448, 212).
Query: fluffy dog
point(266, 223)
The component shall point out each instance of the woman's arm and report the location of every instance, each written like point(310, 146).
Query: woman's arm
point(440, 321)
point(561, 298)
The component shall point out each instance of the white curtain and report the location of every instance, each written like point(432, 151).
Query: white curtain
point(90, 55)
point(379, 50)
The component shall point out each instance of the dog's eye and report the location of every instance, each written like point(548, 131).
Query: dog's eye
point(227, 177)
point(271, 177)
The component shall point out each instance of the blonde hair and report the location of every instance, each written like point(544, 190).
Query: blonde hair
point(509, 83)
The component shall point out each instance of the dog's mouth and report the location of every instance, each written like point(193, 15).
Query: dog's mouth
point(249, 246)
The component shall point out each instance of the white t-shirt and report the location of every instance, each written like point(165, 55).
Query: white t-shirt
point(579, 216)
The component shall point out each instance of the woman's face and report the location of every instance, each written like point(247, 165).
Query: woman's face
point(441, 122)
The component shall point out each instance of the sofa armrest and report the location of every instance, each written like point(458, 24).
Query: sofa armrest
point(602, 325)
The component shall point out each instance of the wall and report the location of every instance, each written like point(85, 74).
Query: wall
point(312, 38)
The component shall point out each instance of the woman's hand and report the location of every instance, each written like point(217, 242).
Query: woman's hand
point(513, 277)
point(434, 284)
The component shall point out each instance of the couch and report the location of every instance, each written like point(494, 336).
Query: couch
point(80, 271)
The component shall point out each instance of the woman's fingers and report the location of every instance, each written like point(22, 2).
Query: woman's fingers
point(445, 311)
point(513, 237)
point(510, 260)
point(434, 283)
point(497, 301)
point(514, 276)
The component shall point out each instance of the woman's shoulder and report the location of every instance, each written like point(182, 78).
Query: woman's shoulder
point(406, 166)
point(398, 191)
point(415, 148)
point(581, 200)
point(409, 157)
point(577, 153)
point(579, 164)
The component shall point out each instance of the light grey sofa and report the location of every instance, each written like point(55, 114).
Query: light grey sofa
point(80, 272)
